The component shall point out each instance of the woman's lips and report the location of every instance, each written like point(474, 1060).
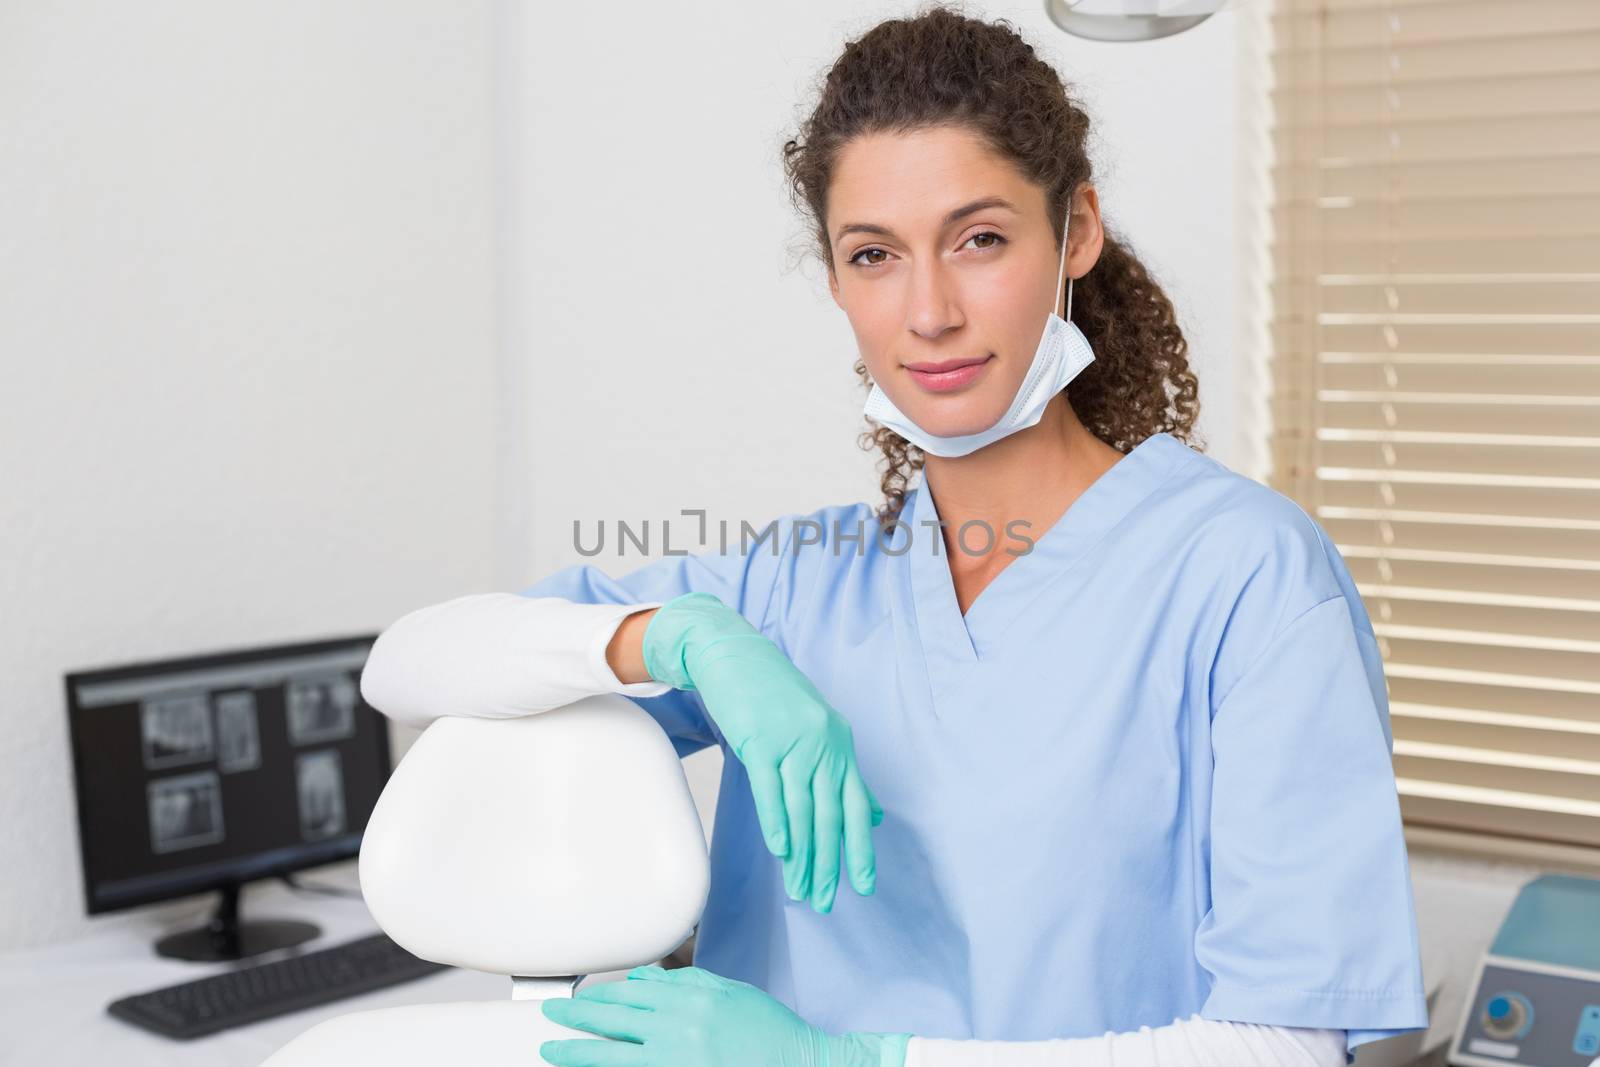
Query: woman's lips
point(962, 373)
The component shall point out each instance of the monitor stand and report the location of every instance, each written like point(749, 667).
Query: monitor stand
point(224, 937)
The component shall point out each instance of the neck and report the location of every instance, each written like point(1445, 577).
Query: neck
point(1034, 474)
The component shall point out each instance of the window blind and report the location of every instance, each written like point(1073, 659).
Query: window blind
point(1435, 379)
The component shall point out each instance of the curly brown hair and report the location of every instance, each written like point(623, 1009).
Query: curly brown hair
point(940, 67)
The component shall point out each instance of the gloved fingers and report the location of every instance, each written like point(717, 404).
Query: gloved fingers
point(592, 1052)
point(618, 1021)
point(828, 831)
point(796, 771)
point(859, 856)
point(634, 994)
point(697, 977)
point(872, 801)
point(766, 786)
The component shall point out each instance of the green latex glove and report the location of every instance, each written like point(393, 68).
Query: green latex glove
point(797, 750)
point(689, 1017)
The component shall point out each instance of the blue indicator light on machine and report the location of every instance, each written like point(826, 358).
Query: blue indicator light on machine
point(1499, 1008)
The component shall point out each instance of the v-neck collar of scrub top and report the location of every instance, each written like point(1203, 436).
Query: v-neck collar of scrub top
point(946, 634)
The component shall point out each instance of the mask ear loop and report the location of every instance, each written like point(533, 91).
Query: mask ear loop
point(1062, 276)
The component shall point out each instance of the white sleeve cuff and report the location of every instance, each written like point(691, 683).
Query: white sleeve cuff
point(1192, 1042)
point(600, 668)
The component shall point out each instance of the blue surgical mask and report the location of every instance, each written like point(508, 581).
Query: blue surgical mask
point(1062, 353)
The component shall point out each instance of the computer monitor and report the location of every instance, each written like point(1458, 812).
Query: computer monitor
point(206, 772)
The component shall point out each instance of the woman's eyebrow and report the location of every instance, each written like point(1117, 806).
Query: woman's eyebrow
point(954, 216)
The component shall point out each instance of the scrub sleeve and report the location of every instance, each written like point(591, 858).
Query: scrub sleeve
point(1311, 921)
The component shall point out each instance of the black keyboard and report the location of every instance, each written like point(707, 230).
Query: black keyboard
point(249, 994)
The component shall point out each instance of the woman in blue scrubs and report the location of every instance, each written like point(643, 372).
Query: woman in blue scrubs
point(1122, 709)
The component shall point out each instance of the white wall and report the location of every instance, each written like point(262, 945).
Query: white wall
point(247, 351)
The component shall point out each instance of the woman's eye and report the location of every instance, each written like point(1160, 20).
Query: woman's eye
point(856, 258)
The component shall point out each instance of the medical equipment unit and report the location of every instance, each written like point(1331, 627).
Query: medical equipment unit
point(545, 848)
point(203, 773)
point(1535, 1000)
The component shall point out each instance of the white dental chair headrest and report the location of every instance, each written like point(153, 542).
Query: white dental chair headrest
point(562, 843)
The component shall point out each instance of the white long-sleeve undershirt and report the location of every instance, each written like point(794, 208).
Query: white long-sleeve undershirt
point(1191, 1042)
point(495, 656)
point(501, 655)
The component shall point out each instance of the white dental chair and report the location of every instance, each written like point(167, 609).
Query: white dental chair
point(544, 848)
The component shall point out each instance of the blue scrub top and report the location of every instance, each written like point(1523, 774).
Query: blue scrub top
point(1146, 775)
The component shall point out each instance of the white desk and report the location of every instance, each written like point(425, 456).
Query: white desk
point(53, 999)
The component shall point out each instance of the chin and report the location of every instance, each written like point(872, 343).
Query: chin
point(951, 425)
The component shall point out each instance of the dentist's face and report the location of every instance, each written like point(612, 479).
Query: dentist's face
point(945, 263)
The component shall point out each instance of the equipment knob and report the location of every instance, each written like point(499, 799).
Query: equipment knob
point(1507, 1015)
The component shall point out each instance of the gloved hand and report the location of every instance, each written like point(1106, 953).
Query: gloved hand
point(796, 749)
point(689, 1017)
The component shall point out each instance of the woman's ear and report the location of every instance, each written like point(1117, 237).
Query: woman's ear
point(1087, 236)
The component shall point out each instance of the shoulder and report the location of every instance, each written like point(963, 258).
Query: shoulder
point(1239, 500)
point(832, 525)
point(814, 554)
point(813, 534)
point(1245, 531)
point(800, 545)
point(1256, 559)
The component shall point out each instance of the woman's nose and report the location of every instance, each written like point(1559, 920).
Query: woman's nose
point(932, 306)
